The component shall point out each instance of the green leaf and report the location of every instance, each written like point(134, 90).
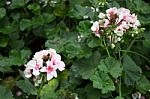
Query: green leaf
point(118, 97)
point(5, 65)
point(35, 8)
point(92, 93)
point(93, 42)
point(48, 90)
point(84, 28)
point(5, 94)
point(132, 71)
point(111, 66)
point(17, 4)
point(86, 67)
point(26, 87)
point(24, 24)
point(37, 21)
point(139, 6)
point(73, 49)
point(2, 12)
point(8, 29)
point(60, 10)
point(143, 85)
point(78, 11)
point(19, 57)
point(48, 17)
point(102, 81)
point(3, 40)
point(16, 57)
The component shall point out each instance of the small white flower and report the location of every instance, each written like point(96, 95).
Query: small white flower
point(85, 17)
point(101, 15)
point(8, 2)
point(95, 26)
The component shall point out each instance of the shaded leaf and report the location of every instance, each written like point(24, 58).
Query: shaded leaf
point(92, 93)
point(132, 71)
point(2, 12)
point(3, 40)
point(26, 87)
point(24, 24)
point(17, 4)
point(5, 94)
point(86, 67)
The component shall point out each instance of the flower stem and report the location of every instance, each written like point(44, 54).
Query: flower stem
point(106, 48)
point(41, 85)
point(120, 93)
point(136, 54)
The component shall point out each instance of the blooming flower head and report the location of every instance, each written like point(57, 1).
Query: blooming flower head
point(114, 24)
point(44, 62)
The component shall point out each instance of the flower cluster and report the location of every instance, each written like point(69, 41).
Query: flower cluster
point(115, 23)
point(44, 62)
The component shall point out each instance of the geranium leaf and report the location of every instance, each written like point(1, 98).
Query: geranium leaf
point(132, 71)
point(111, 66)
point(26, 87)
point(48, 90)
point(5, 94)
point(102, 81)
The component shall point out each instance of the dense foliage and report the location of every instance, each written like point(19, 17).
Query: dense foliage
point(28, 26)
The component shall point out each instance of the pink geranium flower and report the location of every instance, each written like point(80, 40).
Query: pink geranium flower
point(50, 69)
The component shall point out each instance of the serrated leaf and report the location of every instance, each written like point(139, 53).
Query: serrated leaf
point(102, 81)
point(84, 28)
point(2, 12)
point(5, 65)
point(86, 67)
point(132, 71)
point(24, 24)
point(48, 90)
point(143, 85)
point(26, 87)
point(16, 58)
point(19, 57)
point(93, 42)
point(5, 94)
point(111, 66)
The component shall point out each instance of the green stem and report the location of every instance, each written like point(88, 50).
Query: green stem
point(106, 48)
point(120, 94)
point(136, 54)
point(128, 48)
point(41, 85)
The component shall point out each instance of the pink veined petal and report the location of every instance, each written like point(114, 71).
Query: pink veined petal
point(51, 75)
